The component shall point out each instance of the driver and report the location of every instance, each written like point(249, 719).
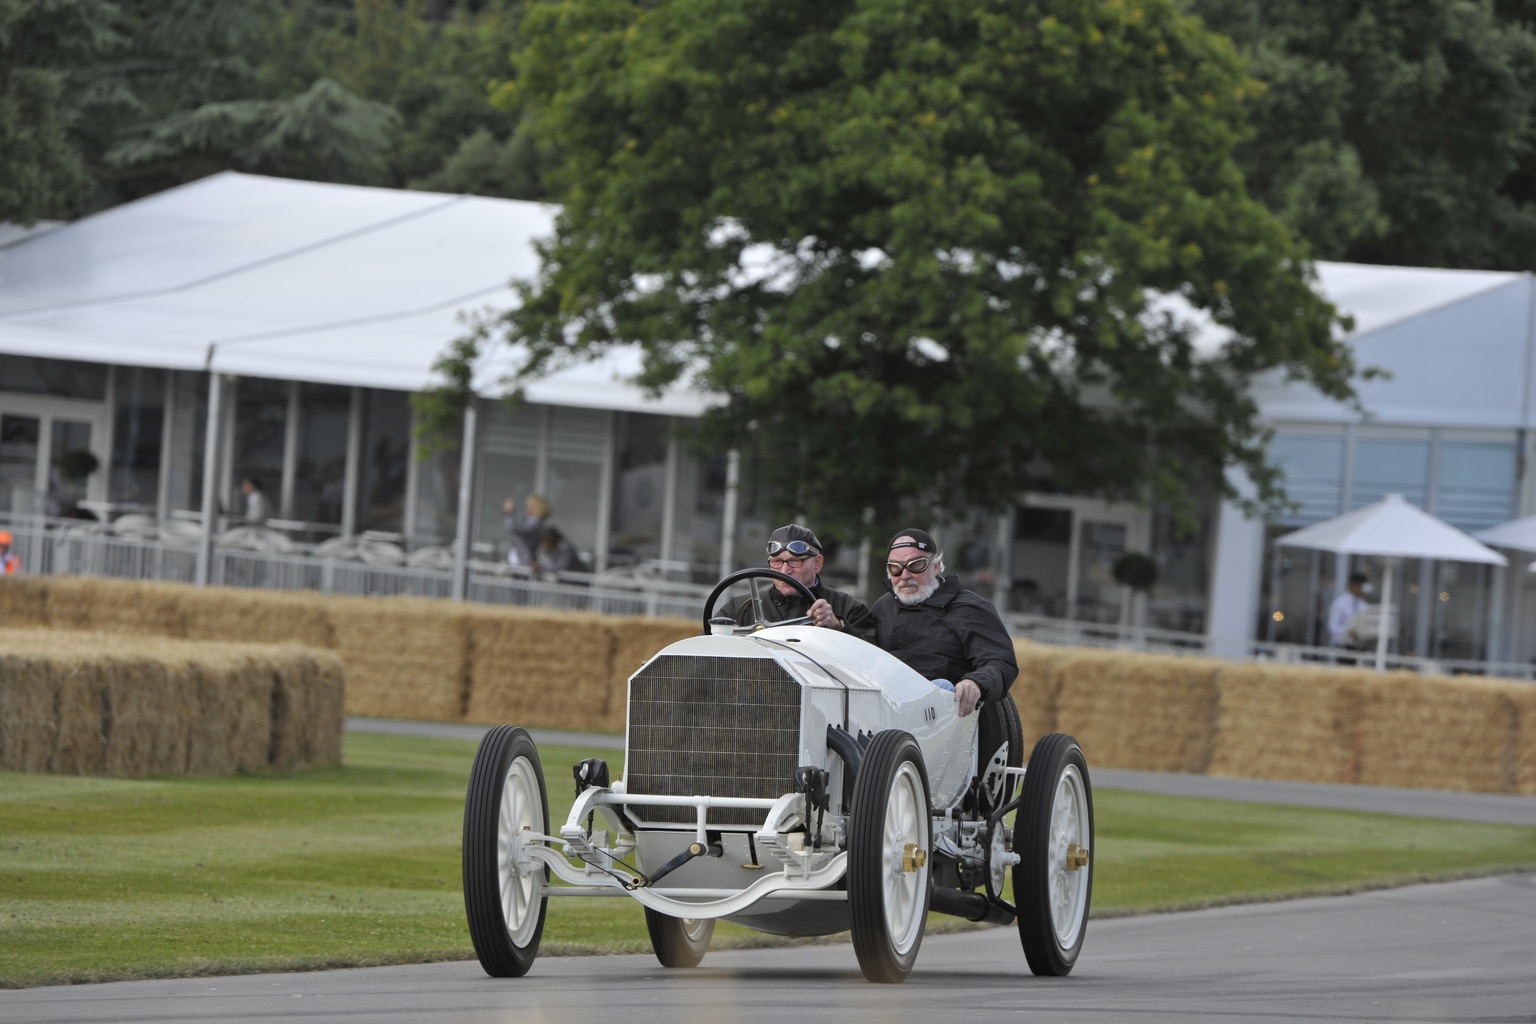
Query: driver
point(795, 551)
point(940, 630)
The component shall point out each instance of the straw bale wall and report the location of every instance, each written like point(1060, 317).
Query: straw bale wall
point(547, 669)
point(1287, 722)
point(23, 601)
point(406, 657)
point(108, 704)
point(1298, 723)
point(449, 661)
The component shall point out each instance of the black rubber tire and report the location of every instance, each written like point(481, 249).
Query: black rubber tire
point(1053, 896)
point(888, 910)
point(678, 942)
point(999, 721)
point(492, 891)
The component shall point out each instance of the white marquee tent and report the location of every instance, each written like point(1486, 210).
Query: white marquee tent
point(289, 280)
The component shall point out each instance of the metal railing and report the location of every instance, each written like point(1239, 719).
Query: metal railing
point(76, 548)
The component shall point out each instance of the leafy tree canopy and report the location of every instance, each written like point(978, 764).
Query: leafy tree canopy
point(1393, 131)
point(42, 172)
point(915, 244)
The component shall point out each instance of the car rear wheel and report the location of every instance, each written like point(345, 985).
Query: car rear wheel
point(1053, 837)
point(505, 889)
point(678, 941)
point(888, 857)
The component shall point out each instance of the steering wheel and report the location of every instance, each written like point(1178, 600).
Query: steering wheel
point(757, 602)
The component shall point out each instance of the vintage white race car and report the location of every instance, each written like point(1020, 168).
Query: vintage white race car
point(798, 781)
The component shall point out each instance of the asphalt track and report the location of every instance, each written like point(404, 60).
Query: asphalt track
point(1456, 953)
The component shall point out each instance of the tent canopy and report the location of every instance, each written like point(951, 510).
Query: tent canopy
point(291, 280)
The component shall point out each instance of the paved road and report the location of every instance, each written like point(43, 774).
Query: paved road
point(1457, 952)
point(1423, 803)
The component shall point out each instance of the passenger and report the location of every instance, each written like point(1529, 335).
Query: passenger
point(527, 531)
point(556, 554)
point(939, 629)
point(795, 551)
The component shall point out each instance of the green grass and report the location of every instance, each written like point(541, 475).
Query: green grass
point(105, 879)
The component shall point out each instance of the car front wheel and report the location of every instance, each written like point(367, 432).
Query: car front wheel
point(1053, 837)
point(888, 857)
point(505, 890)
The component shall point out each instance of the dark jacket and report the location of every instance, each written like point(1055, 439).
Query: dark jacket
point(776, 607)
point(953, 635)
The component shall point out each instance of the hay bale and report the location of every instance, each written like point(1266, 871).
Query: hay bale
point(116, 606)
point(1037, 687)
point(307, 708)
point(636, 641)
point(24, 600)
point(1287, 722)
point(256, 616)
point(405, 657)
point(552, 670)
point(1139, 711)
point(1525, 741)
point(99, 704)
point(1437, 732)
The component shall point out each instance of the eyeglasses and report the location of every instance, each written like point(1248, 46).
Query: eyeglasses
point(794, 547)
point(916, 567)
point(787, 563)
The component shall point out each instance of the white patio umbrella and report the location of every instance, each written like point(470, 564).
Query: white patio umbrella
point(1391, 529)
point(1518, 534)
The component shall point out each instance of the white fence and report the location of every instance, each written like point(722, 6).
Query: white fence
point(75, 549)
point(363, 568)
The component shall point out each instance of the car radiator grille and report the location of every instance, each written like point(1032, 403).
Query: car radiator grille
point(715, 727)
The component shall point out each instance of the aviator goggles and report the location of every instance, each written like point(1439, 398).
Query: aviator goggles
point(916, 567)
point(795, 547)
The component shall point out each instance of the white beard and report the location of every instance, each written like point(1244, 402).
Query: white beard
point(918, 596)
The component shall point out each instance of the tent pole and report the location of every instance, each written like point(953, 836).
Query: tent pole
point(212, 443)
point(1386, 621)
point(460, 584)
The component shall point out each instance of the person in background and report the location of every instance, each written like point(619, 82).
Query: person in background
point(556, 554)
point(950, 635)
point(527, 531)
point(795, 551)
point(257, 509)
point(1343, 610)
point(9, 564)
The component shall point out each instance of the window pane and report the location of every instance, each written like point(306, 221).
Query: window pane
point(1313, 471)
point(136, 437)
point(1476, 487)
point(261, 416)
point(189, 428)
point(386, 459)
point(21, 444)
point(641, 487)
point(577, 440)
point(508, 467)
point(320, 476)
point(1391, 467)
point(32, 375)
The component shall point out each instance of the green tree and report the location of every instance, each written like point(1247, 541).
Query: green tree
point(189, 98)
point(1393, 131)
point(42, 171)
point(914, 244)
